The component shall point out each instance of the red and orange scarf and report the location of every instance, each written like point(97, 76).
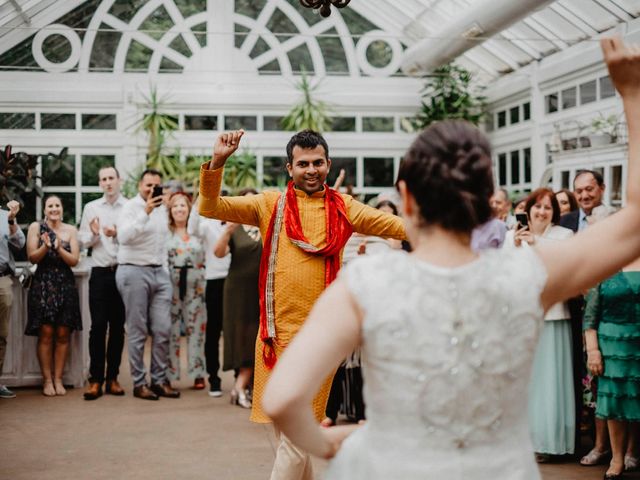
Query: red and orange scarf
point(339, 230)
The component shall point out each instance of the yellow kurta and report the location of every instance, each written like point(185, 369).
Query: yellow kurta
point(299, 276)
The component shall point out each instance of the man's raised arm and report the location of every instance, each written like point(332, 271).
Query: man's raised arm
point(232, 209)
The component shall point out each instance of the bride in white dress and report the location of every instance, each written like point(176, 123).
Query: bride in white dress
point(447, 336)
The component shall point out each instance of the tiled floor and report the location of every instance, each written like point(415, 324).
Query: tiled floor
point(194, 437)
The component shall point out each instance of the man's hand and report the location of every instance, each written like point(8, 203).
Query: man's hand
point(94, 225)
point(110, 231)
point(14, 208)
point(153, 202)
point(340, 179)
point(226, 144)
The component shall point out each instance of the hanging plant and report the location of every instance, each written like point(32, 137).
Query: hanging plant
point(309, 113)
point(450, 94)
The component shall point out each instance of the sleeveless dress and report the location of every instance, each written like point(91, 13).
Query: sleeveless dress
point(53, 296)
point(446, 355)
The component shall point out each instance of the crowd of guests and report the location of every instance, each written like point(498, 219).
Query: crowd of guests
point(158, 270)
point(581, 383)
point(162, 270)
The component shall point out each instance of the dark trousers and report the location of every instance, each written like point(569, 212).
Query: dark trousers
point(107, 314)
point(213, 299)
point(346, 395)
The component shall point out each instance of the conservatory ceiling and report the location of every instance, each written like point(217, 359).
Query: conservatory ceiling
point(555, 27)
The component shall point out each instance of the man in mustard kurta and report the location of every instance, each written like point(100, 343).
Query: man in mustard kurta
point(304, 231)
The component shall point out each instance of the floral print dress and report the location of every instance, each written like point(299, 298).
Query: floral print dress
point(186, 269)
point(53, 296)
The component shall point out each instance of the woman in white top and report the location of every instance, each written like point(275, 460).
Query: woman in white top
point(448, 336)
point(552, 407)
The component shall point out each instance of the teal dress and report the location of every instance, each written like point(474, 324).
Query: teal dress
point(613, 309)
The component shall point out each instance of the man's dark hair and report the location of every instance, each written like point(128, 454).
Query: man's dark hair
point(150, 171)
point(596, 175)
point(307, 139)
point(109, 166)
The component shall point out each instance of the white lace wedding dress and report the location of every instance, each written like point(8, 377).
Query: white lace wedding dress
point(447, 355)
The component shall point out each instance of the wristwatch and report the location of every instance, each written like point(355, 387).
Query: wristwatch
point(11, 221)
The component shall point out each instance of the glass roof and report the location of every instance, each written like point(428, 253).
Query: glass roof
point(557, 26)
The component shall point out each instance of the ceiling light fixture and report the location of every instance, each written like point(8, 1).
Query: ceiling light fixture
point(324, 5)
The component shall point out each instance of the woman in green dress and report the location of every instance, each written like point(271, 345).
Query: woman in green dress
point(612, 336)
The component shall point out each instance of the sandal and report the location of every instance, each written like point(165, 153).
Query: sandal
point(543, 458)
point(630, 463)
point(47, 389)
point(595, 457)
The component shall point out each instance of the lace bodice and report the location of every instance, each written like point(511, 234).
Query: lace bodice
point(447, 353)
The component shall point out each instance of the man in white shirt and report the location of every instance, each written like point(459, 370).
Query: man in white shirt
point(217, 269)
point(145, 286)
point(10, 236)
point(98, 232)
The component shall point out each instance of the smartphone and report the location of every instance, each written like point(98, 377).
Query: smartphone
point(522, 219)
point(157, 191)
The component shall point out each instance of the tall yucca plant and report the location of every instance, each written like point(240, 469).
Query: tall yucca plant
point(158, 126)
point(309, 113)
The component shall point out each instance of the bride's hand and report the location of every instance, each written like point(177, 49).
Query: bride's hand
point(335, 436)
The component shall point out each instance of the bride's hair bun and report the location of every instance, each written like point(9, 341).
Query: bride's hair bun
point(448, 171)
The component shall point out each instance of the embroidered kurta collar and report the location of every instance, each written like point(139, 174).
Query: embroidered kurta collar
point(303, 194)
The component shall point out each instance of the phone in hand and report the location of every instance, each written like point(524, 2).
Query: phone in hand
point(522, 220)
point(157, 191)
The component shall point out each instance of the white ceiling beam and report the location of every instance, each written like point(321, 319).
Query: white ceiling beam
point(21, 12)
point(11, 34)
point(493, 47)
point(482, 19)
point(521, 44)
point(545, 31)
point(614, 10)
point(574, 19)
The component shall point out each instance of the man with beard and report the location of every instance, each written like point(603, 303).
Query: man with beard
point(304, 231)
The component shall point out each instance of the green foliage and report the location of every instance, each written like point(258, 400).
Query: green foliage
point(18, 175)
point(240, 171)
point(449, 94)
point(309, 113)
point(159, 127)
point(129, 186)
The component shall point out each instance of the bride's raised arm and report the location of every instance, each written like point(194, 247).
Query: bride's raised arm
point(599, 251)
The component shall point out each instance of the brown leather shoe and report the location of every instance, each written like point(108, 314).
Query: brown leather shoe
point(114, 388)
point(165, 390)
point(144, 393)
point(94, 390)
